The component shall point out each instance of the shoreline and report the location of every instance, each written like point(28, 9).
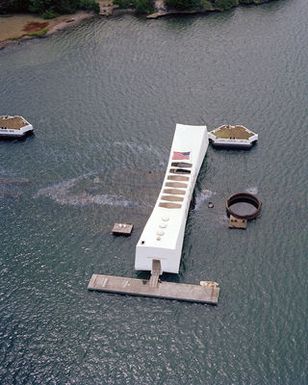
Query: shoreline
point(161, 11)
point(62, 22)
point(18, 34)
point(174, 12)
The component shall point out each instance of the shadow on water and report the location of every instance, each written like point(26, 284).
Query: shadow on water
point(235, 149)
point(183, 22)
point(27, 137)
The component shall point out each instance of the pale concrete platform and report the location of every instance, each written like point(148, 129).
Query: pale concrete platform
point(122, 229)
point(167, 290)
point(237, 223)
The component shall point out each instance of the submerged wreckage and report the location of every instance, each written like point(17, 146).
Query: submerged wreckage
point(159, 248)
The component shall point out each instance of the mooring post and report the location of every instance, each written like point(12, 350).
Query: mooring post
point(155, 273)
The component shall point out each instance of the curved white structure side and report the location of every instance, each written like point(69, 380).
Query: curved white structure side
point(162, 237)
point(16, 133)
point(236, 143)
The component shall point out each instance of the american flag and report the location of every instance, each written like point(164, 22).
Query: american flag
point(177, 155)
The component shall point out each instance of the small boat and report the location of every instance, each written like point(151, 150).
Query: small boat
point(237, 136)
point(14, 126)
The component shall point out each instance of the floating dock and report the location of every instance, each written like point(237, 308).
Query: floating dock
point(166, 290)
point(237, 136)
point(14, 126)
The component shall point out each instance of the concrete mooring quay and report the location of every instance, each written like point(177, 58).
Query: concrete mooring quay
point(147, 288)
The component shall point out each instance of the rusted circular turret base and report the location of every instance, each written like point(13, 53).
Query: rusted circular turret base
point(244, 197)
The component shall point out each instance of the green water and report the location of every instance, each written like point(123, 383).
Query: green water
point(104, 98)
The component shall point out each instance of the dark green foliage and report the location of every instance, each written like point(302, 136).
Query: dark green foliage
point(225, 4)
point(124, 4)
point(90, 5)
point(13, 6)
point(47, 7)
point(49, 14)
point(207, 5)
point(247, 2)
point(61, 6)
point(50, 8)
point(39, 6)
point(3, 5)
point(183, 5)
point(141, 6)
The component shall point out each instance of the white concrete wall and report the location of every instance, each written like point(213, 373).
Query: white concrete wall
point(162, 237)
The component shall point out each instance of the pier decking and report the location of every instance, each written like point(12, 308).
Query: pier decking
point(146, 288)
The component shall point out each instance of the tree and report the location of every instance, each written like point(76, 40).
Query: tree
point(43, 6)
point(183, 5)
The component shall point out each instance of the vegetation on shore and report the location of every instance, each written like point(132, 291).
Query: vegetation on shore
point(209, 5)
point(140, 6)
point(51, 8)
point(48, 8)
point(147, 6)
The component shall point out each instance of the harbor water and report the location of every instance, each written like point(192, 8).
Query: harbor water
point(104, 98)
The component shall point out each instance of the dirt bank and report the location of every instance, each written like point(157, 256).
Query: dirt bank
point(25, 26)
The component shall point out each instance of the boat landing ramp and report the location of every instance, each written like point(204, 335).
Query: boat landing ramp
point(206, 292)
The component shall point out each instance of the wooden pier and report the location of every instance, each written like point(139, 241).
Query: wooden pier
point(155, 288)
